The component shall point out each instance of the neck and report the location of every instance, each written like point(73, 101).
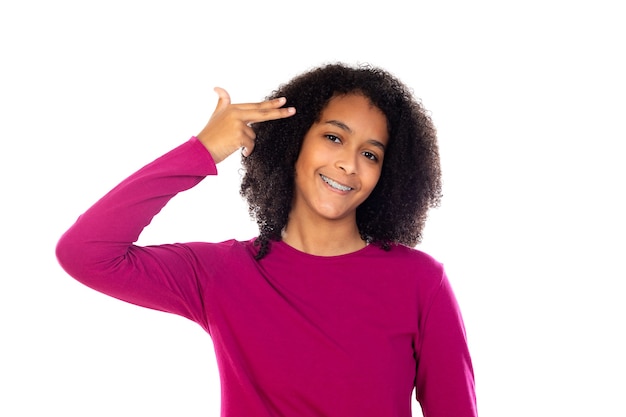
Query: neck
point(323, 238)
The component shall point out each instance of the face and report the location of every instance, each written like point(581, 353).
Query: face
point(341, 159)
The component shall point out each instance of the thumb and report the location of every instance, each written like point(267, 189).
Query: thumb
point(223, 98)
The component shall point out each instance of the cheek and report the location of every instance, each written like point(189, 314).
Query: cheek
point(372, 178)
point(308, 155)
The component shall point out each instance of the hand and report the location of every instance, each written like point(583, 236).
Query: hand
point(229, 128)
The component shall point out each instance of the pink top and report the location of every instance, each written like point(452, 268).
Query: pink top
point(295, 335)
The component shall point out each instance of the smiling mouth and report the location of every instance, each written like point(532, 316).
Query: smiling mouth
point(334, 184)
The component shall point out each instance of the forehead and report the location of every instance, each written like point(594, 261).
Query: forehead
point(357, 112)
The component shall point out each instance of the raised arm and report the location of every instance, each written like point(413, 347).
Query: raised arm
point(99, 249)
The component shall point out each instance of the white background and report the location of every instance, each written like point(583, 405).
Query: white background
point(528, 98)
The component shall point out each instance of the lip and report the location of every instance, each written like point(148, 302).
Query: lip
point(335, 185)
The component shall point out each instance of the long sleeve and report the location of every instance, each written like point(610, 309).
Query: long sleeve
point(99, 250)
point(445, 377)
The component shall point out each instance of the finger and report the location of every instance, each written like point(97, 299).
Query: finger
point(223, 100)
point(267, 104)
point(248, 143)
point(263, 115)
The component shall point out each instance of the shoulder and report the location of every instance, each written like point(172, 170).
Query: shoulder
point(418, 260)
point(415, 268)
point(225, 251)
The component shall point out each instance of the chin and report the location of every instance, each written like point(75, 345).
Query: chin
point(335, 215)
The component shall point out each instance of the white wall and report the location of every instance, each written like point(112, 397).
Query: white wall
point(528, 99)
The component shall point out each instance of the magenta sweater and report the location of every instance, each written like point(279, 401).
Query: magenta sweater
point(295, 335)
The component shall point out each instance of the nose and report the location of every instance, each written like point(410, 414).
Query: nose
point(347, 162)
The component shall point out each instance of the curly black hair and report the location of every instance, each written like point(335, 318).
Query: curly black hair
point(410, 181)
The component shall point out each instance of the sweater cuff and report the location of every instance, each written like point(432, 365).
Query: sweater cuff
point(201, 149)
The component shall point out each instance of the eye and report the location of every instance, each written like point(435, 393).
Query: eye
point(333, 138)
point(370, 156)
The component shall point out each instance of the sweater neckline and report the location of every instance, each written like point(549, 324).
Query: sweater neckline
point(291, 251)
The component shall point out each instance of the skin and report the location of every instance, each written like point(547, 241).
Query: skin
point(345, 147)
point(344, 150)
point(229, 128)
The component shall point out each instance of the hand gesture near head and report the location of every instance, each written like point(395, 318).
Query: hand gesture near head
point(229, 128)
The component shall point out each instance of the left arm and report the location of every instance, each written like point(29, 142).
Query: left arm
point(445, 376)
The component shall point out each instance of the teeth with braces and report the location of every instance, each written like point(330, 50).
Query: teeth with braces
point(335, 184)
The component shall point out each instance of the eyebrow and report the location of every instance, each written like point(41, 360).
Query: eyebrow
point(343, 126)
